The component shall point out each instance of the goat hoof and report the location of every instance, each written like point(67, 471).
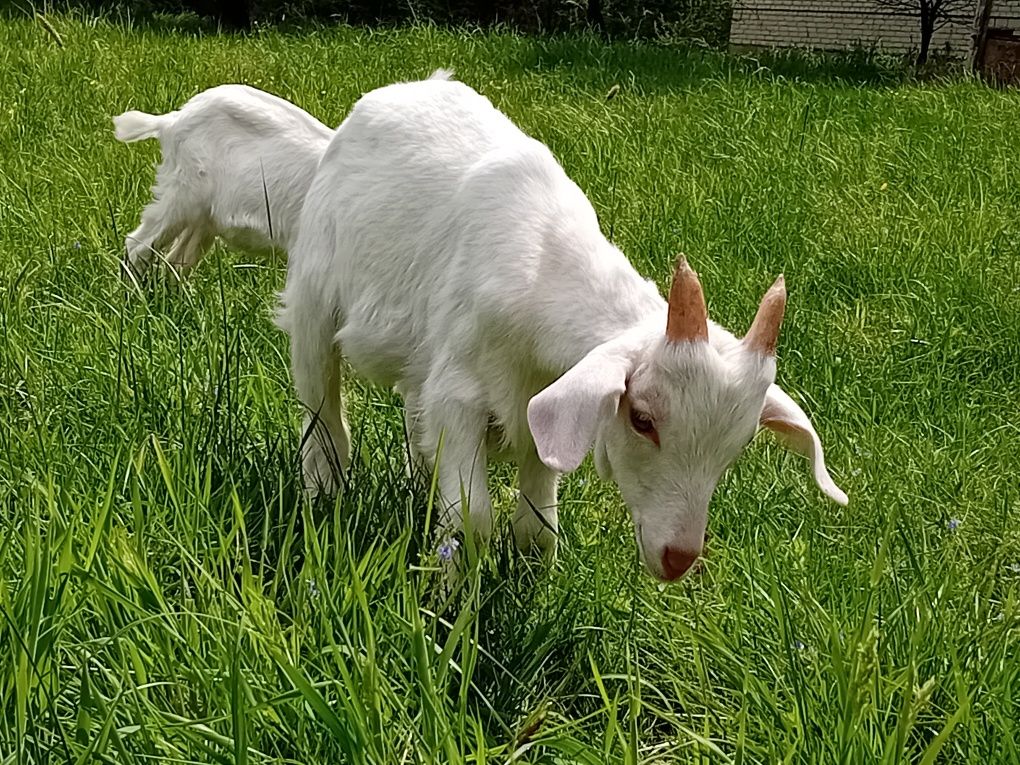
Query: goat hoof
point(321, 476)
point(132, 274)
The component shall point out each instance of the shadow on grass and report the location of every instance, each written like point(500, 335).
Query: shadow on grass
point(653, 67)
point(585, 57)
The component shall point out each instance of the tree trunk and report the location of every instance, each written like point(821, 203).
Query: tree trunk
point(230, 15)
point(927, 32)
point(977, 46)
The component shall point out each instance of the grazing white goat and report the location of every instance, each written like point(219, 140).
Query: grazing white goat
point(237, 163)
point(444, 252)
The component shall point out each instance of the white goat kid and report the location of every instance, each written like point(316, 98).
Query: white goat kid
point(446, 253)
point(237, 163)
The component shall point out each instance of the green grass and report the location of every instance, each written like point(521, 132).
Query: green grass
point(167, 595)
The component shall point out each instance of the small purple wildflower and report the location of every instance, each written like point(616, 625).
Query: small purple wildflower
point(799, 645)
point(76, 245)
point(448, 548)
point(953, 524)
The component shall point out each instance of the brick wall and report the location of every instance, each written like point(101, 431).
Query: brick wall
point(838, 24)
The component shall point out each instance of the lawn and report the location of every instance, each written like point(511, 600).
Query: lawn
point(167, 594)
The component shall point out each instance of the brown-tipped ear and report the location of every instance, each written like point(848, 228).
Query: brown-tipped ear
point(764, 332)
point(688, 318)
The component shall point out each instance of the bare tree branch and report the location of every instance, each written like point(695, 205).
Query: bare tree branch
point(932, 15)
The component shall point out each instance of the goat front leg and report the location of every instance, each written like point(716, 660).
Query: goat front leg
point(415, 461)
point(454, 433)
point(536, 522)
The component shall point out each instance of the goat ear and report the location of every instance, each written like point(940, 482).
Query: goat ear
point(782, 416)
point(565, 417)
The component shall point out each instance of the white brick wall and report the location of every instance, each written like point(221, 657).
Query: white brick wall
point(839, 24)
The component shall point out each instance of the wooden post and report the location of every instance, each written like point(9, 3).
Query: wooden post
point(982, 14)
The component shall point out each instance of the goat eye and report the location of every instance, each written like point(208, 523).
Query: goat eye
point(641, 422)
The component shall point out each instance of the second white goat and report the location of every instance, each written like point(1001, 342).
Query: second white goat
point(237, 163)
point(444, 252)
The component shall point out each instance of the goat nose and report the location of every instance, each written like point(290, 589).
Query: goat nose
point(676, 562)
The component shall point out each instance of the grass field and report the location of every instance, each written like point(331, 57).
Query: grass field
point(167, 595)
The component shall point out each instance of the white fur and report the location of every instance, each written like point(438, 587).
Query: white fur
point(237, 163)
point(444, 252)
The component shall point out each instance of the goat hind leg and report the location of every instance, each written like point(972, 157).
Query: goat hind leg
point(315, 364)
point(188, 249)
point(159, 226)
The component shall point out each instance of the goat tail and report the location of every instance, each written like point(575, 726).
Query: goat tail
point(442, 74)
point(136, 126)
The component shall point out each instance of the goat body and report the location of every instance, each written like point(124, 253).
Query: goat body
point(446, 253)
point(237, 163)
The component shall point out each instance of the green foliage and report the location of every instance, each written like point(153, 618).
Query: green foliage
point(703, 20)
point(168, 595)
